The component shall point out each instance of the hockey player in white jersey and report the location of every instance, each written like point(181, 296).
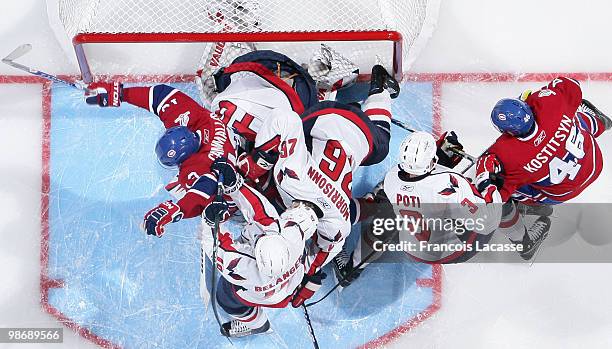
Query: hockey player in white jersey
point(318, 166)
point(255, 84)
point(420, 189)
point(263, 267)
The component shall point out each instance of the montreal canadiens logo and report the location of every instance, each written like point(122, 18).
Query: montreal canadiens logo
point(171, 153)
point(502, 117)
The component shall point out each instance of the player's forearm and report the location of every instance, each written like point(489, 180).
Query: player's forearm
point(137, 96)
point(173, 107)
point(192, 205)
point(254, 206)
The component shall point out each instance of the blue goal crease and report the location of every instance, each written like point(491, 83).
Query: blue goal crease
point(140, 292)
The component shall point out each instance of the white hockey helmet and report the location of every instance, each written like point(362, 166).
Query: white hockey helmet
point(272, 250)
point(272, 254)
point(417, 154)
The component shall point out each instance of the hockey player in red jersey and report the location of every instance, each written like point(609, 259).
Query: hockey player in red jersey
point(196, 142)
point(547, 153)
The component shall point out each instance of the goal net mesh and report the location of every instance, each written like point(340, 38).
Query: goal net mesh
point(408, 17)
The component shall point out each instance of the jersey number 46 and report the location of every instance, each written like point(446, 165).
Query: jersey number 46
point(560, 169)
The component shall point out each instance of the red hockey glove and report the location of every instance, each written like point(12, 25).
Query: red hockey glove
point(446, 144)
point(109, 94)
point(256, 165)
point(310, 285)
point(487, 167)
point(157, 218)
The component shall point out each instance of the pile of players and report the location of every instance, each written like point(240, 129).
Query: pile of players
point(284, 163)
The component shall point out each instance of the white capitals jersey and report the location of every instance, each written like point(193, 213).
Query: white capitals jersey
point(236, 262)
point(236, 258)
point(248, 100)
point(317, 178)
point(317, 156)
point(443, 208)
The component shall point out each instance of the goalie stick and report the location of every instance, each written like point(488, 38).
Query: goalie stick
point(459, 152)
point(24, 49)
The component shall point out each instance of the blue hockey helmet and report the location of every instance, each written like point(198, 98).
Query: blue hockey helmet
point(512, 116)
point(176, 145)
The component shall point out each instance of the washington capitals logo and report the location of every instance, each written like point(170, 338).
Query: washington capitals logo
point(450, 190)
point(232, 265)
point(286, 172)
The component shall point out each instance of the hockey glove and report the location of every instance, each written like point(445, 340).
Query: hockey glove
point(109, 94)
point(258, 164)
point(232, 181)
point(381, 80)
point(156, 219)
point(372, 196)
point(310, 285)
point(447, 143)
point(487, 169)
point(218, 207)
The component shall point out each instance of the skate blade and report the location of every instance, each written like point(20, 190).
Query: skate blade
point(270, 331)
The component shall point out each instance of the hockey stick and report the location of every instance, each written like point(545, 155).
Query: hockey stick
point(365, 260)
point(459, 152)
point(25, 48)
point(315, 343)
point(213, 298)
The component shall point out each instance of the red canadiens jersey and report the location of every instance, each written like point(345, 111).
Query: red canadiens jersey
point(560, 158)
point(194, 184)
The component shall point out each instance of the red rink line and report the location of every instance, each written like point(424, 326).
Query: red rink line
point(46, 282)
point(435, 282)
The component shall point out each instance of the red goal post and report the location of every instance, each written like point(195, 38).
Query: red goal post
point(393, 30)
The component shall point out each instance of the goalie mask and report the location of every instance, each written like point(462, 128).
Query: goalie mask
point(418, 153)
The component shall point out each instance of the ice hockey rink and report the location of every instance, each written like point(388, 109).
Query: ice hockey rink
point(112, 286)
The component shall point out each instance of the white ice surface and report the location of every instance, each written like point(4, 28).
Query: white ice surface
point(483, 306)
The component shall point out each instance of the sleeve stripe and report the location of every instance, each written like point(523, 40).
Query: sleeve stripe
point(378, 111)
point(574, 81)
point(158, 95)
point(151, 100)
point(378, 117)
point(204, 187)
point(258, 207)
point(202, 194)
point(211, 177)
point(161, 104)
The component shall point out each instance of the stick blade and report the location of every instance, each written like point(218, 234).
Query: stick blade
point(18, 52)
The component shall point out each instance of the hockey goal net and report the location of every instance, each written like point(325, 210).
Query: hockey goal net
point(128, 36)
